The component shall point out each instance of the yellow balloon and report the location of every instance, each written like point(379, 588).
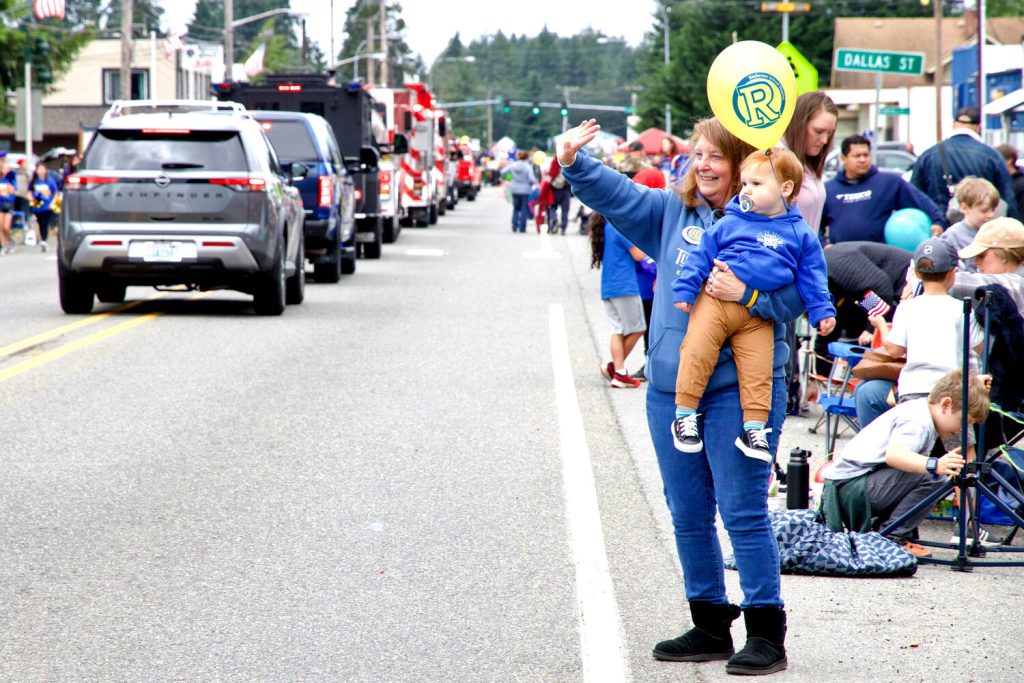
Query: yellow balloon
point(539, 157)
point(752, 91)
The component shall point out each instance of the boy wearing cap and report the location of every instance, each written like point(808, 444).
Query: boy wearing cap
point(927, 330)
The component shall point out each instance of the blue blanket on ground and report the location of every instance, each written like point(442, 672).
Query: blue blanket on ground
point(807, 547)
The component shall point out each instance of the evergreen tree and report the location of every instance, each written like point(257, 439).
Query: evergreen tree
point(65, 39)
point(402, 63)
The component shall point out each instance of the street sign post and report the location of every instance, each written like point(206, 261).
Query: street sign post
point(855, 59)
point(894, 111)
point(879, 62)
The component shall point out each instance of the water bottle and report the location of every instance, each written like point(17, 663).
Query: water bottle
point(798, 479)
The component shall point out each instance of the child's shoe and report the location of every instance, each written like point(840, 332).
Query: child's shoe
point(754, 443)
point(686, 435)
point(624, 381)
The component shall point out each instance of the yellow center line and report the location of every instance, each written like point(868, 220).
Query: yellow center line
point(61, 351)
point(17, 346)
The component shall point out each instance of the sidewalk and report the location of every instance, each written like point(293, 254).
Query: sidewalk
point(938, 625)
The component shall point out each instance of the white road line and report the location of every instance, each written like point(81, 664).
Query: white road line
point(424, 252)
point(601, 638)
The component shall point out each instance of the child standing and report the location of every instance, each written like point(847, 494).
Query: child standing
point(620, 292)
point(768, 245)
point(887, 469)
point(978, 200)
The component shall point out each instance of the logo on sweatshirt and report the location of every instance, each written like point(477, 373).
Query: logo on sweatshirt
point(854, 197)
point(693, 234)
point(771, 240)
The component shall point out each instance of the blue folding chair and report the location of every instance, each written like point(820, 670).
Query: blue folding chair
point(836, 401)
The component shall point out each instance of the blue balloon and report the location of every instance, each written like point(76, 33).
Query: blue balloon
point(907, 228)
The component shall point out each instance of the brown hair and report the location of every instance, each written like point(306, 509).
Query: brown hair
point(951, 385)
point(1009, 152)
point(926, 262)
point(521, 154)
point(977, 192)
point(783, 161)
point(807, 107)
point(1013, 255)
point(732, 148)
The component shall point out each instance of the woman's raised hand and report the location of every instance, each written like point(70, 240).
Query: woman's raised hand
point(576, 139)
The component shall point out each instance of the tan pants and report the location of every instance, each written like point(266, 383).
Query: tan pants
point(712, 323)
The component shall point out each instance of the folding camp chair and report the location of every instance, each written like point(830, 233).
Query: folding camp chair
point(836, 400)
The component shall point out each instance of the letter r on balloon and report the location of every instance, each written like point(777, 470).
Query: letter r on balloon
point(758, 103)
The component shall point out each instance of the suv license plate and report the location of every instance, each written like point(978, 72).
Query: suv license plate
point(163, 252)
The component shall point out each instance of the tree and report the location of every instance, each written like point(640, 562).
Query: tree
point(400, 57)
point(65, 39)
point(208, 24)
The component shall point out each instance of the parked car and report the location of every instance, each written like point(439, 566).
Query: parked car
point(181, 198)
point(328, 193)
point(893, 157)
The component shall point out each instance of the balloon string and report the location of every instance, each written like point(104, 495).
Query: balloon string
point(785, 202)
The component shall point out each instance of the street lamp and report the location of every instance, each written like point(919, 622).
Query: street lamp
point(355, 59)
point(664, 29)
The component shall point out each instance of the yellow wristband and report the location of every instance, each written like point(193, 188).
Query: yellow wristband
point(753, 298)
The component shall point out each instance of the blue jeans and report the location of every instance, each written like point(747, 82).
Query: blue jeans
point(721, 477)
point(870, 397)
point(520, 211)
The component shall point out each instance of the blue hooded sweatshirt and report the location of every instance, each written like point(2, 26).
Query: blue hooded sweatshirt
point(664, 229)
point(765, 252)
point(856, 210)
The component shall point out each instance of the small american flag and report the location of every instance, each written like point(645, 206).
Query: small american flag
point(254, 64)
point(873, 304)
point(46, 9)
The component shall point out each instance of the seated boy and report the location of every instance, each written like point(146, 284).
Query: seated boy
point(886, 468)
point(978, 199)
point(767, 243)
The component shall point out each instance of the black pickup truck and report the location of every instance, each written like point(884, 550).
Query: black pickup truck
point(349, 109)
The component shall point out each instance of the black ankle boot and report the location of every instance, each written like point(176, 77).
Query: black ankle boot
point(764, 652)
point(708, 640)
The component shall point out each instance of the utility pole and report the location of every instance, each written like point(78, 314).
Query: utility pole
point(229, 38)
point(333, 55)
point(369, 48)
point(490, 118)
point(384, 66)
point(667, 56)
point(937, 13)
point(126, 49)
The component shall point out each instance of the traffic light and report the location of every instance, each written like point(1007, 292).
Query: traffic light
point(506, 105)
point(39, 52)
point(536, 108)
point(564, 111)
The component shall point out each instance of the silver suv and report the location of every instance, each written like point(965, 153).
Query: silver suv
point(183, 197)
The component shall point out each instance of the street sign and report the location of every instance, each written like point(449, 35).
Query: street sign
point(906, 63)
point(806, 74)
point(894, 111)
point(785, 7)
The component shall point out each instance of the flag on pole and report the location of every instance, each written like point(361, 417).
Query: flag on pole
point(254, 64)
point(46, 9)
point(171, 44)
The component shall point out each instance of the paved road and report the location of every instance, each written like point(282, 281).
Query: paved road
point(395, 481)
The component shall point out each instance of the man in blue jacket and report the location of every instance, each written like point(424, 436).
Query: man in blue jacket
point(860, 199)
point(963, 153)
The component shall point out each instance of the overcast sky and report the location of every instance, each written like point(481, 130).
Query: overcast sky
point(430, 24)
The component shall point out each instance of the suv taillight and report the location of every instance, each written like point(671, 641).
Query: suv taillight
point(325, 190)
point(253, 183)
point(79, 181)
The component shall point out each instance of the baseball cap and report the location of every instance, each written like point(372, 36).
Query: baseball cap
point(998, 233)
point(938, 256)
point(969, 115)
point(636, 146)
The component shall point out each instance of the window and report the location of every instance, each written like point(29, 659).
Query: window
point(136, 150)
point(112, 85)
point(291, 140)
